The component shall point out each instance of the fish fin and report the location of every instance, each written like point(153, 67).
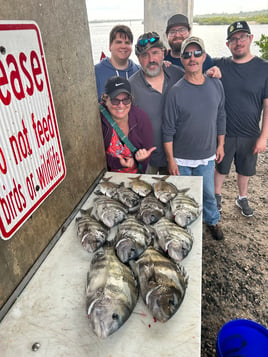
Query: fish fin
point(85, 212)
point(184, 190)
point(105, 179)
point(135, 178)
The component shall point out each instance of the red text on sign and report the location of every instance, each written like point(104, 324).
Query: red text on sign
point(21, 80)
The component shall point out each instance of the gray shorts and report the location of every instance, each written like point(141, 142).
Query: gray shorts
point(239, 149)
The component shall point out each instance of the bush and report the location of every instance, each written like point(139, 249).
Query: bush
point(263, 44)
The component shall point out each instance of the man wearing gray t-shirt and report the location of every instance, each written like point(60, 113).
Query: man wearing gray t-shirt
point(149, 87)
point(194, 127)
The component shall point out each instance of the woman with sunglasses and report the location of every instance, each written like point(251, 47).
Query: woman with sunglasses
point(128, 149)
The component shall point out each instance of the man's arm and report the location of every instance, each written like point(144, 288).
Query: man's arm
point(172, 166)
point(261, 143)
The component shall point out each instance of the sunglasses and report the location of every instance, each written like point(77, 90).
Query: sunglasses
point(125, 101)
point(187, 55)
point(143, 41)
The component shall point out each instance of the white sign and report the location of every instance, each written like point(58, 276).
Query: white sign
point(31, 157)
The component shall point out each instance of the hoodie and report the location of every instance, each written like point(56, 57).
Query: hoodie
point(104, 70)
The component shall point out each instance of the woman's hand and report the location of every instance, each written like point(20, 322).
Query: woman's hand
point(126, 161)
point(143, 154)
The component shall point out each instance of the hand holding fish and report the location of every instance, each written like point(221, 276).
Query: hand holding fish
point(143, 154)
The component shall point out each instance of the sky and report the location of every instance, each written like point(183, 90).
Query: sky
point(133, 9)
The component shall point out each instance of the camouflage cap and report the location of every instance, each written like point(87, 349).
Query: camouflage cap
point(198, 41)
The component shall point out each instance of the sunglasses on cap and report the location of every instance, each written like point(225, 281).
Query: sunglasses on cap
point(125, 101)
point(187, 55)
point(143, 41)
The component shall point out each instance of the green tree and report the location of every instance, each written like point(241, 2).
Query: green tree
point(263, 44)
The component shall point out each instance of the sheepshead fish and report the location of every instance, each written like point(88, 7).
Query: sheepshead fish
point(162, 283)
point(107, 188)
point(151, 210)
point(132, 239)
point(184, 208)
point(91, 233)
point(128, 197)
point(111, 292)
point(109, 211)
point(141, 187)
point(163, 190)
point(174, 240)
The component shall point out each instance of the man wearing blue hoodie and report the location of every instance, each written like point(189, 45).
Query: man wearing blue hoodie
point(119, 64)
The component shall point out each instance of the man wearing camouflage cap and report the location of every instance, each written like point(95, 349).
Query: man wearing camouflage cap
point(150, 85)
point(194, 127)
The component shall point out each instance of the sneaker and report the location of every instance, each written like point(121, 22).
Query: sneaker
point(216, 231)
point(219, 201)
point(245, 209)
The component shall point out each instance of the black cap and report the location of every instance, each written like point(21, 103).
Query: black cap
point(236, 27)
point(146, 41)
point(177, 20)
point(116, 85)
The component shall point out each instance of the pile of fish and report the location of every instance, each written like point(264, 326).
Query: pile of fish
point(138, 236)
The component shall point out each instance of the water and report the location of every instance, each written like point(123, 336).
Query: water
point(214, 37)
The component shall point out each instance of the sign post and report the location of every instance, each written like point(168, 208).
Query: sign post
point(31, 156)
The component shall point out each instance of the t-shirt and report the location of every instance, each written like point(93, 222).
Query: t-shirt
point(194, 116)
point(245, 86)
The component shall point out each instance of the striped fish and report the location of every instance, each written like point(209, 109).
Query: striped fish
point(162, 283)
point(151, 210)
point(109, 211)
point(174, 240)
point(132, 239)
point(91, 233)
point(111, 292)
point(184, 208)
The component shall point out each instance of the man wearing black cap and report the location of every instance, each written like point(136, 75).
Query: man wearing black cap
point(149, 87)
point(245, 81)
point(178, 29)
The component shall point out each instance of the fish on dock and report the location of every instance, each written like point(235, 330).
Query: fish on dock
point(163, 190)
point(141, 187)
point(162, 283)
point(184, 208)
point(90, 232)
point(109, 211)
point(111, 292)
point(151, 210)
point(174, 240)
point(106, 187)
point(128, 197)
point(132, 239)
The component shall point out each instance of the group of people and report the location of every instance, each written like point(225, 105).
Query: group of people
point(181, 112)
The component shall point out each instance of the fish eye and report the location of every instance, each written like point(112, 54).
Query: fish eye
point(171, 302)
point(115, 316)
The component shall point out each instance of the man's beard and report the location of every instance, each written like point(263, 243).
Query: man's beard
point(153, 72)
point(176, 47)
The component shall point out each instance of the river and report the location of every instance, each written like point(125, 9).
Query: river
point(214, 37)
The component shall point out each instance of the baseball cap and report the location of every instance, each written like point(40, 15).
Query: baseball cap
point(116, 85)
point(146, 41)
point(191, 40)
point(237, 26)
point(176, 20)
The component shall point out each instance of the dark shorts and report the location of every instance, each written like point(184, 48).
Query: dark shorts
point(240, 150)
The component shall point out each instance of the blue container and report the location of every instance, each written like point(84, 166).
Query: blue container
point(242, 338)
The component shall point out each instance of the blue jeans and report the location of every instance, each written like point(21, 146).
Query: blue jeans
point(211, 214)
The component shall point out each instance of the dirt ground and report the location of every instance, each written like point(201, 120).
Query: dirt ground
point(235, 271)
